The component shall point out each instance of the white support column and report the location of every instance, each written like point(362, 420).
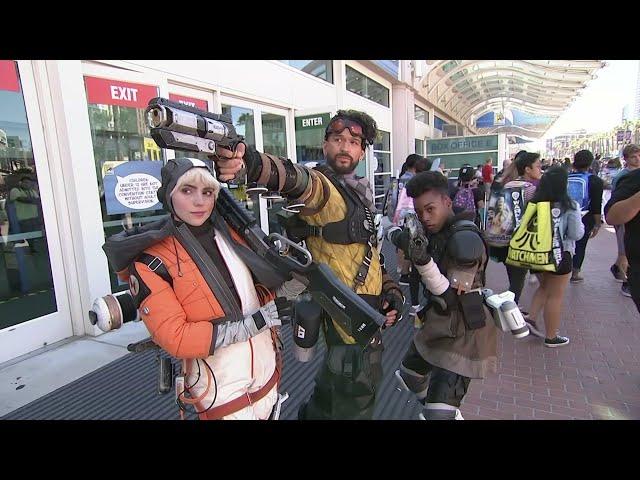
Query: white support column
point(340, 81)
point(78, 169)
point(403, 132)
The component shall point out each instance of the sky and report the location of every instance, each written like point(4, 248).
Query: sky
point(599, 107)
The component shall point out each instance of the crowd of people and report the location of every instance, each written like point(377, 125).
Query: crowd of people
point(573, 185)
point(212, 302)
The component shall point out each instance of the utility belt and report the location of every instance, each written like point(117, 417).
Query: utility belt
point(243, 401)
point(469, 304)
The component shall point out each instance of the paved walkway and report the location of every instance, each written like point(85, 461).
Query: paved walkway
point(596, 376)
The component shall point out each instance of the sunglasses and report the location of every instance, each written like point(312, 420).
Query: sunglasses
point(339, 124)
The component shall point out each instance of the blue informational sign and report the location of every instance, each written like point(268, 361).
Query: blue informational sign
point(513, 117)
point(132, 187)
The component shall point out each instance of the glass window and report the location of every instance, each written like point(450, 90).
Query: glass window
point(362, 85)
point(26, 283)
point(318, 68)
point(309, 137)
point(122, 148)
point(274, 134)
point(243, 121)
point(382, 174)
point(438, 122)
point(421, 114)
point(419, 146)
point(274, 139)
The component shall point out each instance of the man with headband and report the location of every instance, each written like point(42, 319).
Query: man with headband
point(336, 218)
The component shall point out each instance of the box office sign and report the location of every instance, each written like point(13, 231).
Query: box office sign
point(480, 143)
point(132, 187)
point(114, 92)
point(190, 101)
point(9, 76)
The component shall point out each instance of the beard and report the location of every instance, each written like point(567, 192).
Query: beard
point(340, 168)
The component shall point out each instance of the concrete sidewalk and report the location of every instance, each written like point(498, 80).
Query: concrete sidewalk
point(32, 376)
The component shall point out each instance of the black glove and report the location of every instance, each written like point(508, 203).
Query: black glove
point(399, 237)
point(285, 309)
point(447, 302)
point(391, 293)
point(253, 163)
point(417, 251)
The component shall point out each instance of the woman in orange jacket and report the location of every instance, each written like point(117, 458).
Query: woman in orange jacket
point(206, 298)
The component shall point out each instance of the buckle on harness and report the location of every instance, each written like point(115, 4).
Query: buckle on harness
point(153, 269)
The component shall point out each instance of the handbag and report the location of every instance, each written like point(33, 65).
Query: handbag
point(537, 242)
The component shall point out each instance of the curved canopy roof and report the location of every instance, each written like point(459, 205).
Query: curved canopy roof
point(532, 93)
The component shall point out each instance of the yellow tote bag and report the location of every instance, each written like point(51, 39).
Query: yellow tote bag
point(537, 242)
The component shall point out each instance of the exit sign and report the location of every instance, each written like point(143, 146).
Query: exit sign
point(309, 122)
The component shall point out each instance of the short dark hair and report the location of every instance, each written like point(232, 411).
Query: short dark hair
point(425, 182)
point(423, 164)
point(369, 126)
point(524, 160)
point(553, 188)
point(410, 162)
point(630, 150)
point(582, 160)
point(517, 155)
point(466, 173)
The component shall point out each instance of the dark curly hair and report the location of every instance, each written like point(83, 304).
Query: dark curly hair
point(369, 126)
point(582, 160)
point(426, 181)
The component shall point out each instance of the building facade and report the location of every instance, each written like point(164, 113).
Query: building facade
point(66, 127)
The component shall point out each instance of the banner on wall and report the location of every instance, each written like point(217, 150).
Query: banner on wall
point(9, 76)
point(190, 101)
point(114, 92)
point(132, 186)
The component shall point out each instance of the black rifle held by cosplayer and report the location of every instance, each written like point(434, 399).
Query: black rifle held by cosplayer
point(180, 127)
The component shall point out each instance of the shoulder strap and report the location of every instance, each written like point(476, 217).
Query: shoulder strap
point(156, 265)
point(465, 226)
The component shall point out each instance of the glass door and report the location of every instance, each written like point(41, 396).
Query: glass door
point(33, 299)
point(127, 159)
point(269, 130)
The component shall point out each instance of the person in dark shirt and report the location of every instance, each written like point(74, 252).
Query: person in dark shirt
point(592, 220)
point(624, 208)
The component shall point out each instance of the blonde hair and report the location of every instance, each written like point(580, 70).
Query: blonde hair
point(198, 175)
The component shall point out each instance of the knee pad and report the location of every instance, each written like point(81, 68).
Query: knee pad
point(413, 382)
point(447, 387)
point(440, 411)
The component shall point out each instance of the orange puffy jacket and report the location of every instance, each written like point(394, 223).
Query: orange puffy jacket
point(181, 319)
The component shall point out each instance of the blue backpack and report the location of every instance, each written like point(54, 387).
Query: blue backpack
point(578, 189)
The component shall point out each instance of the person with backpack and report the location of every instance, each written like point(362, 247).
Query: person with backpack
point(408, 274)
point(586, 189)
point(549, 296)
point(403, 205)
point(466, 197)
point(515, 184)
point(458, 341)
